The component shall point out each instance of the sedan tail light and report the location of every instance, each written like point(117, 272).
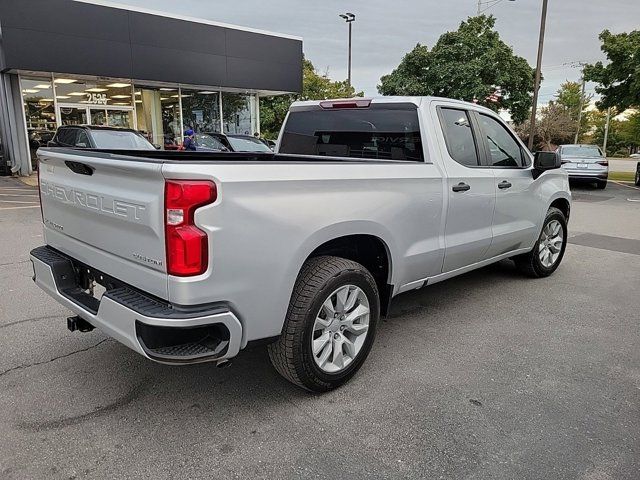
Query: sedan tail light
point(604, 163)
point(186, 245)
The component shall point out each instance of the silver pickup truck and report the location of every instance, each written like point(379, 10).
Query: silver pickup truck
point(192, 257)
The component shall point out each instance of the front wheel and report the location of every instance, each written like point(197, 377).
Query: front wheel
point(548, 251)
point(330, 324)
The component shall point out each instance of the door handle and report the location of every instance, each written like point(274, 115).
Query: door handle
point(461, 187)
point(504, 184)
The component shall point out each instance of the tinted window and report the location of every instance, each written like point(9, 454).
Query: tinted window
point(82, 140)
point(504, 151)
point(67, 136)
point(120, 140)
point(380, 133)
point(458, 135)
point(207, 141)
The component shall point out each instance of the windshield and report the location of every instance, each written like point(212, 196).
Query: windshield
point(248, 144)
point(120, 140)
point(581, 151)
point(207, 141)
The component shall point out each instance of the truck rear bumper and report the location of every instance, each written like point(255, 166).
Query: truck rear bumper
point(157, 330)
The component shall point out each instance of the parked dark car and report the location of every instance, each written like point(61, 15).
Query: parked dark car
point(93, 136)
point(220, 142)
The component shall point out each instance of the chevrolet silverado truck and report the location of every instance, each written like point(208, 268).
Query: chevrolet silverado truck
point(190, 257)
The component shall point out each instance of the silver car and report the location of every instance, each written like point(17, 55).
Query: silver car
point(585, 163)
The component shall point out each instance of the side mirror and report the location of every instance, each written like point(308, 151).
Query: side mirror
point(543, 161)
point(157, 147)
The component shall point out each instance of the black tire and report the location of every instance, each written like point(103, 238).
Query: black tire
point(602, 184)
point(530, 263)
point(637, 179)
point(292, 355)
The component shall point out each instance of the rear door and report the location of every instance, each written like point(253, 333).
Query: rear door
point(107, 212)
point(517, 210)
point(470, 188)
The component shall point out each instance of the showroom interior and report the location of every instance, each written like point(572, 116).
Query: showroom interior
point(78, 62)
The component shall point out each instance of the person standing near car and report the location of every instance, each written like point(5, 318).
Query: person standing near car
point(189, 141)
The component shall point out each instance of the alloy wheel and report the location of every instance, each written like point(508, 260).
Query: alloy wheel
point(340, 328)
point(550, 243)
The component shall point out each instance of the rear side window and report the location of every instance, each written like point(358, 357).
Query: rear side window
point(67, 136)
point(377, 132)
point(458, 135)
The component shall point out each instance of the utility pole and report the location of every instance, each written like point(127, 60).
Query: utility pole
point(581, 106)
point(606, 132)
point(349, 18)
point(536, 86)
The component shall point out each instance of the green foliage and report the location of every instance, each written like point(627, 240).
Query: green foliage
point(619, 80)
point(569, 96)
point(315, 86)
point(554, 126)
point(470, 64)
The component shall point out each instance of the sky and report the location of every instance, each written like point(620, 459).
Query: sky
point(385, 30)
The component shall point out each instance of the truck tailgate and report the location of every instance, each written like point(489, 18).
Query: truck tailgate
point(107, 212)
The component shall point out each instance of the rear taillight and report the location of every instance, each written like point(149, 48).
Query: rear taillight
point(187, 246)
point(604, 163)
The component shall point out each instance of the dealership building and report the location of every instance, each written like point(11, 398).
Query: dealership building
point(66, 62)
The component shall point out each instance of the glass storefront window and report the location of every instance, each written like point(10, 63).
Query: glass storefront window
point(40, 115)
point(105, 93)
point(158, 115)
point(201, 110)
point(238, 112)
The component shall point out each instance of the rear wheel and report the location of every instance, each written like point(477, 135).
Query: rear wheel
point(602, 184)
point(330, 324)
point(637, 179)
point(548, 251)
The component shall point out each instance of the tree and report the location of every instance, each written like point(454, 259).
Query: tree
point(619, 80)
point(471, 63)
point(554, 126)
point(315, 86)
point(569, 96)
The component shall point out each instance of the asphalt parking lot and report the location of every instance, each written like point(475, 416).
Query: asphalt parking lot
point(486, 376)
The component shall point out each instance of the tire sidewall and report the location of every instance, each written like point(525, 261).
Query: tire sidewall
point(363, 280)
point(553, 214)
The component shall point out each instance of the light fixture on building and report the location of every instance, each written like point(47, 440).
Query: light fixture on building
point(63, 97)
point(138, 93)
point(43, 86)
point(96, 90)
point(138, 101)
point(165, 89)
point(30, 90)
point(207, 92)
point(164, 98)
point(46, 100)
point(118, 85)
point(76, 94)
point(120, 96)
point(64, 81)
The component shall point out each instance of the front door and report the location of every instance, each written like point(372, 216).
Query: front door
point(470, 189)
point(517, 212)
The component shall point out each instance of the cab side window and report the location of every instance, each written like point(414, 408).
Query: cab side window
point(459, 136)
point(502, 148)
point(66, 137)
point(83, 140)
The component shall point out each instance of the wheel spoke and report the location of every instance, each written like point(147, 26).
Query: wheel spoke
point(320, 342)
point(324, 356)
point(321, 323)
point(338, 357)
point(328, 308)
point(350, 348)
point(352, 298)
point(341, 298)
point(358, 328)
point(359, 312)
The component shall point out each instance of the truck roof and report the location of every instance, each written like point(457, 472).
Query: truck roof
point(417, 100)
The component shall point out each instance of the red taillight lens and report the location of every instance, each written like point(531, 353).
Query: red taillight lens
point(187, 247)
point(353, 103)
point(604, 163)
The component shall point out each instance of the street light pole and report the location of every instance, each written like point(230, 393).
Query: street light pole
point(581, 105)
point(349, 18)
point(536, 86)
point(606, 132)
